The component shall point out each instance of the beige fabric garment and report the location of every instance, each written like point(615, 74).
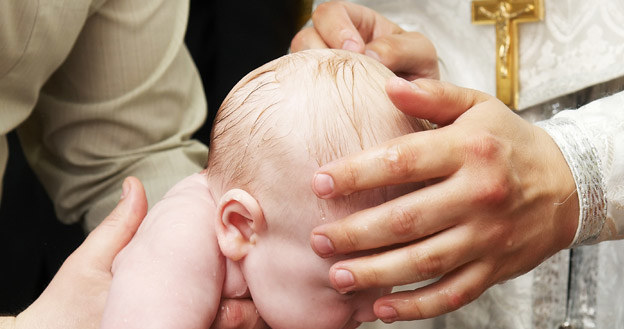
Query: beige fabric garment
point(100, 90)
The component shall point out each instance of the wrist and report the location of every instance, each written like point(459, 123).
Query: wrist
point(585, 166)
point(562, 191)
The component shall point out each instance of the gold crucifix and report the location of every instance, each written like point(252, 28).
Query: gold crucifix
point(506, 14)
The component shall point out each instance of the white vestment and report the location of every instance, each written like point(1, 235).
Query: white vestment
point(576, 53)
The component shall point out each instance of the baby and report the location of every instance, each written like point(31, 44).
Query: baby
point(243, 225)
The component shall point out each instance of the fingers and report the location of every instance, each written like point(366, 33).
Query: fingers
point(108, 238)
point(408, 54)
point(436, 101)
point(410, 158)
point(238, 314)
point(404, 219)
point(307, 38)
point(419, 261)
point(341, 24)
point(448, 294)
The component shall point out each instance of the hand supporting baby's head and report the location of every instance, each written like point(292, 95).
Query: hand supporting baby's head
point(275, 128)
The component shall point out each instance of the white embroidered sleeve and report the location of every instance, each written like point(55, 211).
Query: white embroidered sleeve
point(592, 142)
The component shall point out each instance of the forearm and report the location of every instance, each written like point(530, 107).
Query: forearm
point(591, 140)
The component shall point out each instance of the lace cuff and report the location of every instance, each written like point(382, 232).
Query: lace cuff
point(582, 157)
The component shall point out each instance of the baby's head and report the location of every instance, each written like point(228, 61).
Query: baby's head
point(276, 127)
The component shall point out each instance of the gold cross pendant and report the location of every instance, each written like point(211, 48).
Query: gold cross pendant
point(506, 14)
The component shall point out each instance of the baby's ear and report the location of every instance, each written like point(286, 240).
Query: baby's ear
point(239, 219)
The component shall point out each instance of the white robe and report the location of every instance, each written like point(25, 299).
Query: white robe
point(579, 44)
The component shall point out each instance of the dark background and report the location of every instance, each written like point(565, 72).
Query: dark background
point(227, 39)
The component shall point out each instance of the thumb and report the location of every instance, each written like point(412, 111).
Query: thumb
point(116, 230)
point(409, 55)
point(437, 101)
point(336, 23)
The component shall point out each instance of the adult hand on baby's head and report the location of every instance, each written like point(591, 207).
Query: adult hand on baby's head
point(345, 25)
point(501, 200)
point(76, 295)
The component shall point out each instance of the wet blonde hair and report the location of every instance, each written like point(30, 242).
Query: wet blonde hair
point(329, 102)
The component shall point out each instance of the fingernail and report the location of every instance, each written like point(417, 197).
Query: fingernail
point(322, 245)
point(372, 54)
point(323, 185)
point(351, 45)
point(344, 280)
point(125, 189)
point(387, 314)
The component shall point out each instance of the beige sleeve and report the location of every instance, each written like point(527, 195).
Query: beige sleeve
point(124, 102)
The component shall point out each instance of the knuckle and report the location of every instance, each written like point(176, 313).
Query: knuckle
point(495, 185)
point(387, 49)
point(426, 46)
point(351, 178)
point(370, 276)
point(398, 159)
point(439, 89)
point(425, 264)
point(351, 241)
point(492, 194)
point(403, 221)
point(483, 146)
point(493, 190)
point(449, 94)
point(461, 296)
point(322, 10)
point(415, 311)
point(457, 299)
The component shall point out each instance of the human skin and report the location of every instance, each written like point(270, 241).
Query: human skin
point(271, 240)
point(171, 275)
point(501, 200)
point(76, 295)
point(172, 267)
point(264, 231)
point(281, 269)
point(75, 298)
point(348, 26)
